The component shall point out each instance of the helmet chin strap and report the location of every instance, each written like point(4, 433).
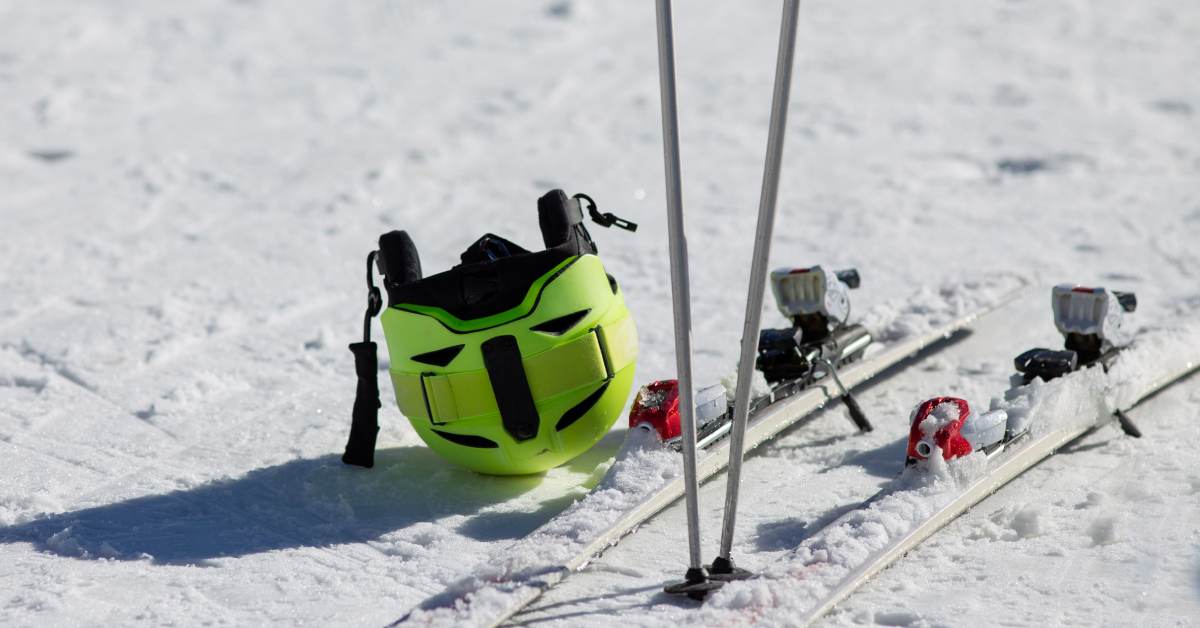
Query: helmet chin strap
point(364, 425)
point(518, 413)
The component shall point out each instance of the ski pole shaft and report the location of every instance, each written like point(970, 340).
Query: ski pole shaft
point(680, 291)
point(758, 268)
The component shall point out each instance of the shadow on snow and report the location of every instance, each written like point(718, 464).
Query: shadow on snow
point(314, 502)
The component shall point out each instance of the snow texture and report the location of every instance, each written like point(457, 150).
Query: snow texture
point(942, 415)
point(188, 191)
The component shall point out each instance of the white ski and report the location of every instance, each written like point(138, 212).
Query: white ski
point(833, 563)
point(645, 477)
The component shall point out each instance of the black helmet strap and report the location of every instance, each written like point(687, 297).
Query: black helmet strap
point(506, 372)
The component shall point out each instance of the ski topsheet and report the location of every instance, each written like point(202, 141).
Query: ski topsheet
point(645, 476)
point(830, 565)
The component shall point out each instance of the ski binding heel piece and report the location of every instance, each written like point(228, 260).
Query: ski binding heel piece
point(818, 304)
point(1093, 322)
point(813, 293)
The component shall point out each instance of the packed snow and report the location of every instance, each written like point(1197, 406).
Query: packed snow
point(942, 415)
point(190, 189)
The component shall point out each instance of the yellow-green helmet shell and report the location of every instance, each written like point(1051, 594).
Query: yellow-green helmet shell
point(520, 390)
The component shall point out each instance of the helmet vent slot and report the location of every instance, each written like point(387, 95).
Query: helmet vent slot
point(467, 440)
point(562, 324)
point(578, 410)
point(439, 357)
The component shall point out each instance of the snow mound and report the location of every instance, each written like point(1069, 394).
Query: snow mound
point(931, 307)
point(942, 415)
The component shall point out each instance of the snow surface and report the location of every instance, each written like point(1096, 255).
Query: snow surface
point(189, 191)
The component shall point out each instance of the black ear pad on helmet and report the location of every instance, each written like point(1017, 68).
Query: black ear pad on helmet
point(561, 220)
point(398, 261)
point(556, 215)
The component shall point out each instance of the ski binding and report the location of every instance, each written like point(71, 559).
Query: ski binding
point(818, 304)
point(1094, 326)
point(1093, 322)
point(950, 425)
point(818, 343)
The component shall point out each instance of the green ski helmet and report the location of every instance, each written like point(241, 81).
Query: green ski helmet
point(513, 361)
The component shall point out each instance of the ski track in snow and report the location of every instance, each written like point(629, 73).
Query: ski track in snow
point(189, 192)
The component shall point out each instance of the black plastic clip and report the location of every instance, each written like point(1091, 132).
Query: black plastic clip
point(849, 277)
point(607, 219)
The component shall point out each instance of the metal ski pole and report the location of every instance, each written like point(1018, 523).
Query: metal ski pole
point(695, 580)
point(723, 567)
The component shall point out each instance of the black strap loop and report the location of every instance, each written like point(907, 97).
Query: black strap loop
point(607, 219)
point(364, 418)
